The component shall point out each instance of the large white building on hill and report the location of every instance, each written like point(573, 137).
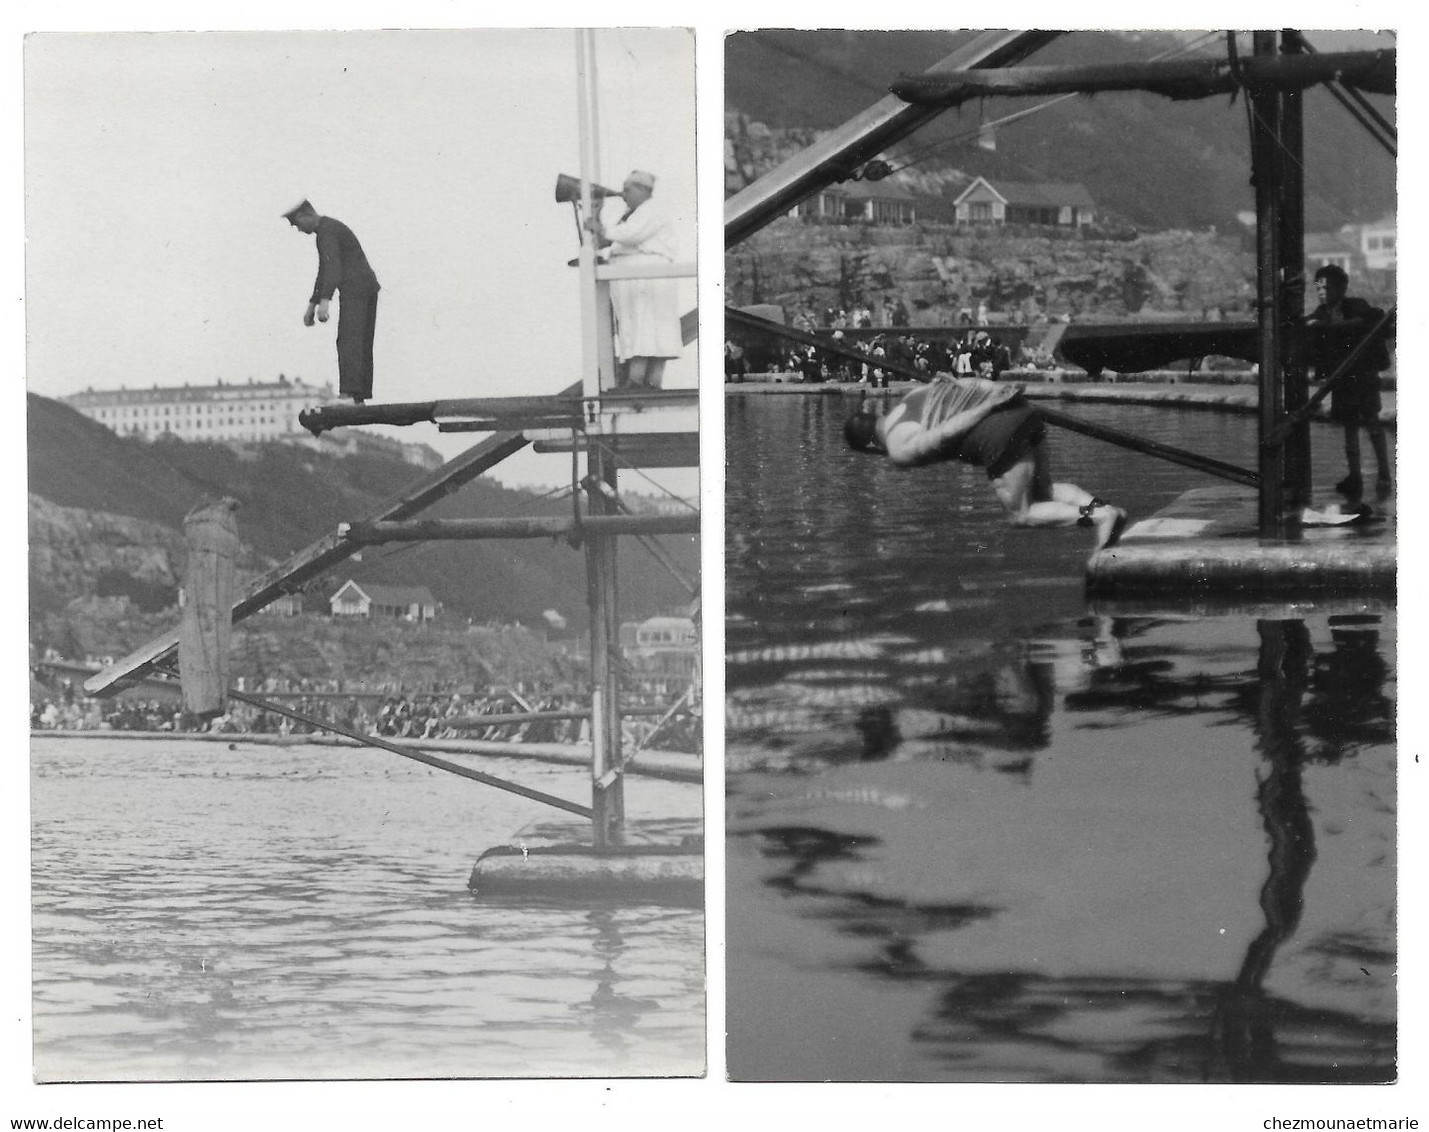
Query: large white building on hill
point(253, 411)
point(236, 415)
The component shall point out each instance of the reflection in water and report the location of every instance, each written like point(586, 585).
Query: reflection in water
point(981, 832)
point(1025, 1024)
point(613, 1014)
point(1246, 1028)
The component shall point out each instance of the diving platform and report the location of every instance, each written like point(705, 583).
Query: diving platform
point(1206, 546)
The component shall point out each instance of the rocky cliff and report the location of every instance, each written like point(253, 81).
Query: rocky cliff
point(940, 271)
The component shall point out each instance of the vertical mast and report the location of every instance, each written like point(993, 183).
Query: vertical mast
point(598, 373)
point(1292, 264)
point(1267, 169)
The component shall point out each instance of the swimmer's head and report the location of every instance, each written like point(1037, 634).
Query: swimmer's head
point(861, 431)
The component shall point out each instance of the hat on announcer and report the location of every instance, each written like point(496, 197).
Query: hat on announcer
point(640, 177)
point(305, 207)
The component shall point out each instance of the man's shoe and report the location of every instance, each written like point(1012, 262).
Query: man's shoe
point(1352, 484)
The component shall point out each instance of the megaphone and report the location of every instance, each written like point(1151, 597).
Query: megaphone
point(568, 188)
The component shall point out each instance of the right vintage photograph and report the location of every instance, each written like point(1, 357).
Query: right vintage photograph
point(1061, 547)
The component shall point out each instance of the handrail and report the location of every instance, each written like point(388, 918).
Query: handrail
point(617, 269)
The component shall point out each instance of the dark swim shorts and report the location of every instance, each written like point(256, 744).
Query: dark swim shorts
point(1356, 399)
point(1003, 437)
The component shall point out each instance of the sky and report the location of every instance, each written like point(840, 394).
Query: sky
point(158, 166)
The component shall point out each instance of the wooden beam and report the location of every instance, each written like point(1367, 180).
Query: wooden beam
point(434, 530)
point(1371, 71)
point(499, 424)
point(317, 558)
point(466, 413)
point(618, 269)
point(863, 137)
point(641, 449)
point(564, 406)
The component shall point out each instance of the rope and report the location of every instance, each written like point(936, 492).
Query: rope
point(1338, 89)
point(614, 455)
point(1324, 188)
point(930, 149)
point(652, 547)
point(687, 694)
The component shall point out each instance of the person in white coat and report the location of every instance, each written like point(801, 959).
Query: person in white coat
point(647, 319)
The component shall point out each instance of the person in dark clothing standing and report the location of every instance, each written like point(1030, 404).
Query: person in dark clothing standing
point(342, 267)
point(1355, 402)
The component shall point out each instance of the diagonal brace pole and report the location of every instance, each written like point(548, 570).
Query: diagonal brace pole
point(735, 316)
point(417, 756)
point(1337, 377)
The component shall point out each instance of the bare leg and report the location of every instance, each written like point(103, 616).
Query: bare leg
point(1381, 448)
point(1031, 499)
point(635, 372)
point(1352, 448)
point(1352, 484)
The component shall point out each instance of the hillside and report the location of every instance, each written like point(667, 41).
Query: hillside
point(107, 513)
point(1146, 160)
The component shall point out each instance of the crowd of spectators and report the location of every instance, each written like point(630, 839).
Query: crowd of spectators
point(977, 353)
point(60, 705)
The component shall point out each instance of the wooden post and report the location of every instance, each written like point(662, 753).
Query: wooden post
point(590, 367)
point(212, 535)
point(1292, 260)
point(1266, 172)
point(597, 372)
point(607, 755)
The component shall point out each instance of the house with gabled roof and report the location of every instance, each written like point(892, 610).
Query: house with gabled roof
point(861, 202)
point(662, 652)
point(377, 599)
point(1048, 203)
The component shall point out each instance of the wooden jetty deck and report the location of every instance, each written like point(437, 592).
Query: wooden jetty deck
point(1206, 543)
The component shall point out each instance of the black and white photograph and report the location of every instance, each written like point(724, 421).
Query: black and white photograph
point(1032, 579)
point(364, 572)
point(1061, 513)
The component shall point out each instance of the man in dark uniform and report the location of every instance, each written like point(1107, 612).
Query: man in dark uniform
point(1355, 402)
point(988, 424)
point(343, 267)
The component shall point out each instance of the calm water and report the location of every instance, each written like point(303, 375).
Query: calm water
point(207, 913)
point(981, 830)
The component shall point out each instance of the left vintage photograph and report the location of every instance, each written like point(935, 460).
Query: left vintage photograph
point(364, 633)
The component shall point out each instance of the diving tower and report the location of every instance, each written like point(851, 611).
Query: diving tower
point(612, 429)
